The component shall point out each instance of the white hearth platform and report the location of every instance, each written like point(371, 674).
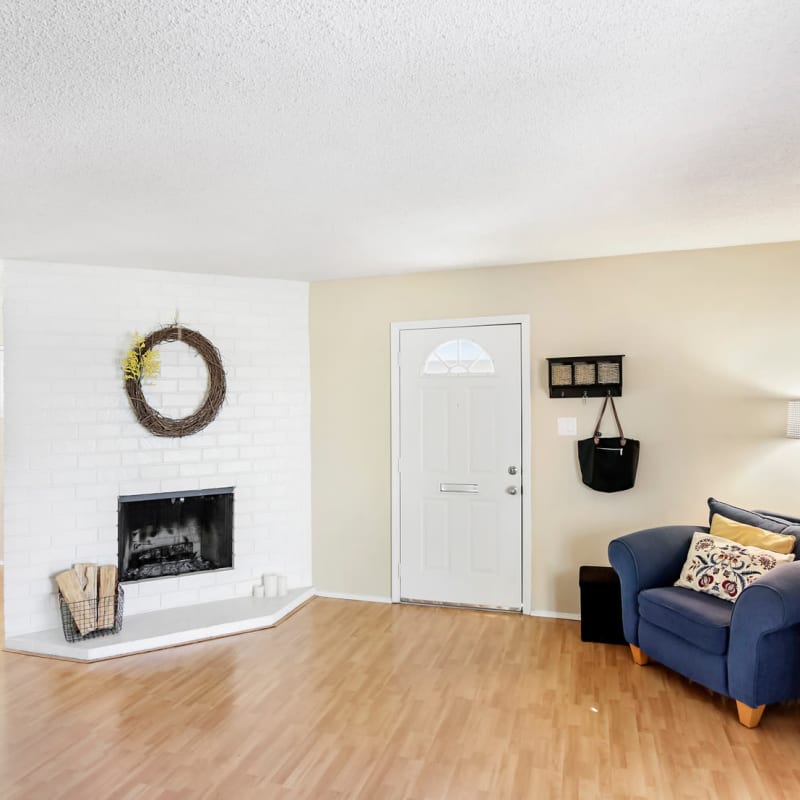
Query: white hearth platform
point(166, 628)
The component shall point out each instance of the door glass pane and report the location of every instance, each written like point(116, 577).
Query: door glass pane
point(458, 357)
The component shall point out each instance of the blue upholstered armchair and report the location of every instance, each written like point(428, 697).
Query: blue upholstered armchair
point(748, 650)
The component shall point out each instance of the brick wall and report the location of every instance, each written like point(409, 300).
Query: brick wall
point(73, 445)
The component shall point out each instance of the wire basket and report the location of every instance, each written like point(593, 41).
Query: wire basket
point(88, 619)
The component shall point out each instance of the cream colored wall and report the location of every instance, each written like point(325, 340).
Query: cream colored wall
point(711, 342)
point(2, 428)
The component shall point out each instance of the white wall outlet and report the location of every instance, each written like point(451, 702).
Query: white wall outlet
point(567, 426)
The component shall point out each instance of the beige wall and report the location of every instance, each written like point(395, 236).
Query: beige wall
point(711, 341)
point(2, 428)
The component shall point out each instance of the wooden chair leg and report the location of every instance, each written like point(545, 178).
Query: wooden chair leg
point(639, 657)
point(749, 716)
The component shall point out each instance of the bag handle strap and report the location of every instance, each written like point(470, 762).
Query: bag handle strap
point(616, 417)
point(599, 420)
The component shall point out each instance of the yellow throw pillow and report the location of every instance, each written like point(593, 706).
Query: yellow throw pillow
point(750, 536)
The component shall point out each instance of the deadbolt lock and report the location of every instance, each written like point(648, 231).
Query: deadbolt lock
point(512, 470)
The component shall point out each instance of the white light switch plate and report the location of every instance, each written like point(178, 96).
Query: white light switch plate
point(567, 426)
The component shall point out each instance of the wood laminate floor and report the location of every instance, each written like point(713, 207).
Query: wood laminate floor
point(348, 699)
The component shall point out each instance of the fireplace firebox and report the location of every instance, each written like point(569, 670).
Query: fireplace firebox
point(175, 533)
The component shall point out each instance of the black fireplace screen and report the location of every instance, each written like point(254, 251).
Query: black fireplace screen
point(175, 533)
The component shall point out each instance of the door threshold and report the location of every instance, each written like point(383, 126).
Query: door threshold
point(411, 601)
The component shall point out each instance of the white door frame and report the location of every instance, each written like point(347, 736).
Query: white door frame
point(523, 320)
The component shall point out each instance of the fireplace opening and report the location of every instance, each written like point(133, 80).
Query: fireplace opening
point(175, 533)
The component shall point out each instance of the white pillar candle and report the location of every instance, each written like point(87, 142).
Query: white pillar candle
point(258, 591)
point(283, 587)
point(270, 585)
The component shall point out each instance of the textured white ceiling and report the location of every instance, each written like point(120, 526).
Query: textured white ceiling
point(348, 137)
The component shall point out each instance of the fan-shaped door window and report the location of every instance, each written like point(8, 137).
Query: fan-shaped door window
point(459, 357)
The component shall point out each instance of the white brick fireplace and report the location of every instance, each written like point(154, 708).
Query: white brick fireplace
point(73, 445)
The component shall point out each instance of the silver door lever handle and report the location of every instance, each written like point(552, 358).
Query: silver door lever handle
point(512, 490)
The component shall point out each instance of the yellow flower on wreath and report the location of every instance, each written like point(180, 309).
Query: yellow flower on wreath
point(139, 363)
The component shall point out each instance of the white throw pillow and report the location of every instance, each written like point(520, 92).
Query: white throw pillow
point(722, 568)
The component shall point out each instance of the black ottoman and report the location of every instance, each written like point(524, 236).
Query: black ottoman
point(601, 606)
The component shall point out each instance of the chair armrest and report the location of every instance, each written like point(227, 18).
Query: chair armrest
point(644, 560)
point(771, 602)
point(763, 656)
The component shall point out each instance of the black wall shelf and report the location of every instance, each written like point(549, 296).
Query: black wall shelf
point(585, 376)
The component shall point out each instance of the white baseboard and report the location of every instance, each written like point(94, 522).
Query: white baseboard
point(555, 615)
point(364, 598)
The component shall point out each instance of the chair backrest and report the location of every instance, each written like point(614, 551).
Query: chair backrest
point(768, 520)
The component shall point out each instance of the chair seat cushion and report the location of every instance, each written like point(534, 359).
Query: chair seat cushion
point(700, 619)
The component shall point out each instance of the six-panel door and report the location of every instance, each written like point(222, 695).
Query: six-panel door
point(460, 465)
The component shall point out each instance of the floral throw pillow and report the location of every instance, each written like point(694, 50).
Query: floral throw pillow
point(723, 568)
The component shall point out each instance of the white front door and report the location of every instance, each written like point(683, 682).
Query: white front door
point(460, 465)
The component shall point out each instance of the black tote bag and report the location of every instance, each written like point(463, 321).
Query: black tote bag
point(608, 464)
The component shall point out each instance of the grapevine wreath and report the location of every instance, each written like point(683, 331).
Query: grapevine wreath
point(142, 360)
